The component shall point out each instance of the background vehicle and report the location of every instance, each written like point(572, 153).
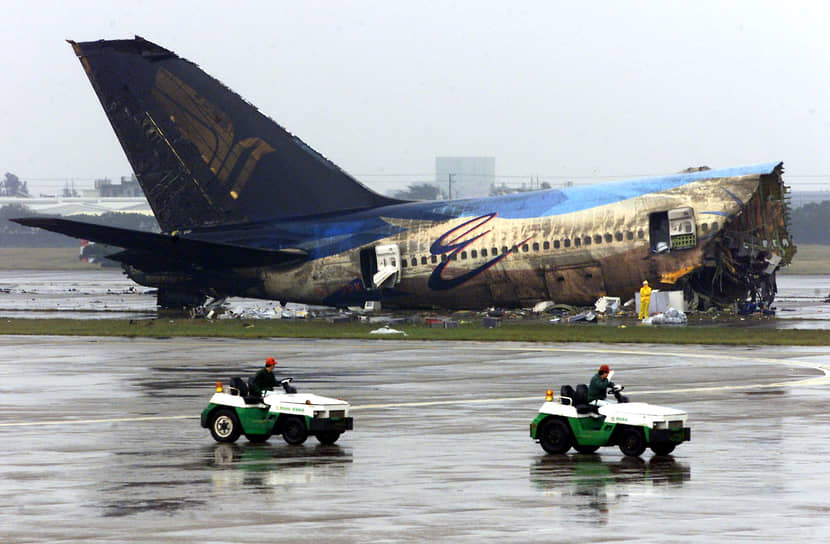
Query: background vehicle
point(232, 412)
point(569, 421)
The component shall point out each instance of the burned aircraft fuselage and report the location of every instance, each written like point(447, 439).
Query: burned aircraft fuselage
point(718, 235)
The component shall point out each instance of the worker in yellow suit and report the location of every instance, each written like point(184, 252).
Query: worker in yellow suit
point(645, 298)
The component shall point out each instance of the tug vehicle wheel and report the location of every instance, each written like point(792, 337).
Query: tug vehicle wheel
point(555, 436)
point(224, 426)
point(663, 449)
point(294, 431)
point(328, 437)
point(586, 449)
point(632, 442)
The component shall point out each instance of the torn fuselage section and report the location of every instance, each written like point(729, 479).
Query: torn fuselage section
point(740, 261)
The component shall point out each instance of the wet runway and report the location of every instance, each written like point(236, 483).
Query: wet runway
point(102, 443)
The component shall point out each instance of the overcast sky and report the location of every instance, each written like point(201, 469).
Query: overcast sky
point(561, 90)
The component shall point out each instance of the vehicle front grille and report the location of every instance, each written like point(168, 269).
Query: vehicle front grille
point(337, 413)
point(676, 424)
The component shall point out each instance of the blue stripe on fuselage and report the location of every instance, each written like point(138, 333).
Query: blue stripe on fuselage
point(333, 234)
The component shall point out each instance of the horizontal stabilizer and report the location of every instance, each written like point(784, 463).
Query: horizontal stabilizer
point(174, 248)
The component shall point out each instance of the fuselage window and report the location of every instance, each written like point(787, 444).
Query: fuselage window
point(577, 241)
point(434, 259)
point(423, 260)
point(414, 262)
point(463, 254)
point(454, 256)
point(403, 263)
point(525, 248)
point(714, 226)
point(597, 238)
point(495, 251)
point(641, 234)
point(608, 238)
point(503, 250)
point(473, 254)
point(618, 236)
point(535, 246)
point(484, 252)
point(444, 258)
point(567, 242)
point(704, 227)
point(546, 245)
point(556, 244)
point(587, 241)
point(629, 235)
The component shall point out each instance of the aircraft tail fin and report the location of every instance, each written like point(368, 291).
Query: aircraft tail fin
point(203, 155)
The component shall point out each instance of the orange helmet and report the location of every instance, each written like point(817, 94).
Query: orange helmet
point(604, 369)
point(270, 361)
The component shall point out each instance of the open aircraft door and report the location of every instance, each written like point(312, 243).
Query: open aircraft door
point(672, 229)
point(381, 266)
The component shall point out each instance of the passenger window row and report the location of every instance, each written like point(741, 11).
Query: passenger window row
point(577, 241)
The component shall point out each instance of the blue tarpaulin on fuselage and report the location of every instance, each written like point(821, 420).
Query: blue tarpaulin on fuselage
point(552, 202)
point(333, 234)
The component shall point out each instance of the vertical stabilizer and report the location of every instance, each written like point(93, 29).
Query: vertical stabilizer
point(203, 155)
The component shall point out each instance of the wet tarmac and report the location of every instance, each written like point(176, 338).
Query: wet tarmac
point(102, 443)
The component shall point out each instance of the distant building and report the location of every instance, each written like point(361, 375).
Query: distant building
point(84, 205)
point(105, 188)
point(465, 177)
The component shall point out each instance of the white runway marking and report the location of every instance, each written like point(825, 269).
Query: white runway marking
point(88, 421)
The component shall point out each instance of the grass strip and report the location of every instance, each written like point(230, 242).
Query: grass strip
point(471, 331)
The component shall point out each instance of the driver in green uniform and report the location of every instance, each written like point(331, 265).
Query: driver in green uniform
point(598, 388)
point(264, 380)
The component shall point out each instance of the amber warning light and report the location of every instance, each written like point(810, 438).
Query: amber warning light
point(548, 396)
point(218, 387)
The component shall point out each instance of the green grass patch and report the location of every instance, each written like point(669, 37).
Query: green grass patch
point(810, 259)
point(518, 331)
point(43, 258)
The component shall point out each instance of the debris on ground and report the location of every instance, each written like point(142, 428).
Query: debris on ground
point(387, 330)
point(588, 316)
point(543, 306)
point(607, 305)
point(671, 316)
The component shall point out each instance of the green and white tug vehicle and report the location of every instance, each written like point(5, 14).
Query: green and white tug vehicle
point(568, 420)
point(232, 412)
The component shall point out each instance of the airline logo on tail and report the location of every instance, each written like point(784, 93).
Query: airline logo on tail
point(211, 131)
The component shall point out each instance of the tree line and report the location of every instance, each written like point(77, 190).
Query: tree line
point(14, 235)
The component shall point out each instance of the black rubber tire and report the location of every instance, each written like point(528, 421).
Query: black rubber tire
point(663, 448)
point(555, 436)
point(257, 438)
point(294, 430)
point(329, 437)
point(632, 442)
point(224, 425)
point(586, 449)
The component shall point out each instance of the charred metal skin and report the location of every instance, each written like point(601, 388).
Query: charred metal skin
point(247, 209)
